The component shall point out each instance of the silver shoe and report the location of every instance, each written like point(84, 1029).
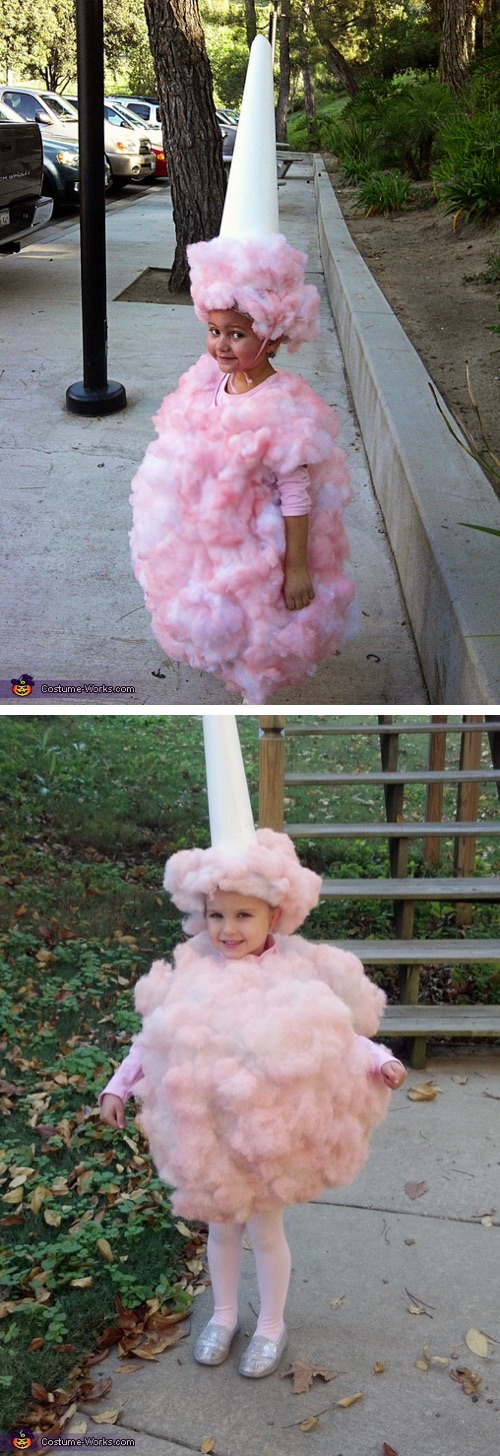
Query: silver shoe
point(214, 1344)
point(262, 1356)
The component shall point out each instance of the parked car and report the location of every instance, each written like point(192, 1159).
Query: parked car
point(154, 133)
point(23, 207)
point(60, 166)
point(148, 111)
point(130, 157)
point(143, 107)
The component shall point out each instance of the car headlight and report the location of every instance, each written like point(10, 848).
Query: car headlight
point(69, 159)
point(126, 146)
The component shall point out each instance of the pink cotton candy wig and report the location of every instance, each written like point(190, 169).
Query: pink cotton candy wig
point(260, 276)
point(268, 870)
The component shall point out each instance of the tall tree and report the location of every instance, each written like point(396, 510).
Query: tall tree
point(38, 37)
point(193, 136)
point(285, 71)
point(250, 21)
point(455, 43)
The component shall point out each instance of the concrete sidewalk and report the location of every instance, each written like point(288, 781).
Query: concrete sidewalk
point(72, 609)
point(361, 1256)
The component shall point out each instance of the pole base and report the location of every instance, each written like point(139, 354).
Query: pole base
point(105, 401)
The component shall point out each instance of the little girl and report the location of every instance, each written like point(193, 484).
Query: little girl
point(258, 1085)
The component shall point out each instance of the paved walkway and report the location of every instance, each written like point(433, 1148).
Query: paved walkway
point(361, 1257)
point(72, 608)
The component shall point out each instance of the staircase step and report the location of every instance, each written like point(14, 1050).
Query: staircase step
point(320, 730)
point(413, 889)
point(440, 1021)
point(451, 829)
point(399, 776)
point(421, 952)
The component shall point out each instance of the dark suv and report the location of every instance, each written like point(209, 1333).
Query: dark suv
point(22, 209)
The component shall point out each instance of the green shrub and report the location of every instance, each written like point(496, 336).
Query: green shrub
point(474, 193)
point(383, 192)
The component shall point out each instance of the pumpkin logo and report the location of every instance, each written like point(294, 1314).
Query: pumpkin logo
point(22, 686)
point(22, 1439)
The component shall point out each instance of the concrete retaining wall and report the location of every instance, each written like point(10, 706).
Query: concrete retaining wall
point(425, 483)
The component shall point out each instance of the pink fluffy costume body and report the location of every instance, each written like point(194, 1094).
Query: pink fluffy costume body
point(208, 540)
point(258, 1085)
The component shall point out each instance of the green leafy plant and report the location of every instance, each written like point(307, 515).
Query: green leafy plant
point(383, 192)
point(473, 195)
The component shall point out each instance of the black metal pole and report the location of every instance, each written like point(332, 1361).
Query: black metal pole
point(95, 395)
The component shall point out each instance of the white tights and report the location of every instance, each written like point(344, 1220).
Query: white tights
point(273, 1263)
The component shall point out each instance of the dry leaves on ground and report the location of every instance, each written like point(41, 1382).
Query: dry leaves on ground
point(416, 1190)
point(423, 1092)
point(468, 1380)
point(477, 1343)
point(388, 1450)
point(303, 1375)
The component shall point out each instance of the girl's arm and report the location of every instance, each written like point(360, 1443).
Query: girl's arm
point(126, 1076)
point(295, 501)
point(392, 1070)
point(298, 589)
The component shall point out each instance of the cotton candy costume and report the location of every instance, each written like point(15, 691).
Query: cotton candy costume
point(259, 1088)
point(208, 540)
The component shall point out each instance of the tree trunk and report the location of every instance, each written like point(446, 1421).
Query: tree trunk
point(487, 21)
point(307, 81)
point(341, 69)
point(455, 53)
point(284, 86)
point(250, 21)
point(192, 134)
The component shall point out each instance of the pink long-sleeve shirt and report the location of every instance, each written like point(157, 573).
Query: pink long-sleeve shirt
point(293, 491)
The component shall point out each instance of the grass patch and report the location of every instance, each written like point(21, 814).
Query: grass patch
point(92, 808)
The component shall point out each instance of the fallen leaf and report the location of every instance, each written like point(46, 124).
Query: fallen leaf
point(421, 1365)
point(423, 1092)
point(77, 1428)
point(378, 1368)
point(85, 1282)
point(350, 1399)
point(128, 1369)
point(91, 1390)
point(108, 1417)
point(416, 1309)
point(36, 1344)
point(416, 1190)
point(309, 1424)
point(208, 1446)
point(467, 1379)
point(461, 1080)
point(388, 1450)
point(51, 1218)
point(477, 1342)
point(304, 1374)
point(105, 1250)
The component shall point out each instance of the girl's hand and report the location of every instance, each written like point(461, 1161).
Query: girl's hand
point(393, 1073)
point(113, 1110)
point(298, 589)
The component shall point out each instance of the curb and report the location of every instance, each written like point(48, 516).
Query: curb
point(425, 484)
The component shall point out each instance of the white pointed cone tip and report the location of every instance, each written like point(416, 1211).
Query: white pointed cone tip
point(251, 205)
point(231, 818)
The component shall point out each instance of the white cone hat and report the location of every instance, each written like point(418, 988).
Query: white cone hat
point(251, 206)
point(231, 818)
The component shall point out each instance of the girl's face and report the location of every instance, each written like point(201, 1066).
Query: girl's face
point(238, 925)
point(232, 342)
